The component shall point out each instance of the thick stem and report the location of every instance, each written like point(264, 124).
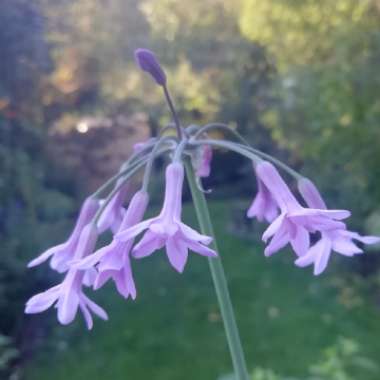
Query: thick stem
point(219, 279)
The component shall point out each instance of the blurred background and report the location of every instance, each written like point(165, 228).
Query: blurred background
point(299, 78)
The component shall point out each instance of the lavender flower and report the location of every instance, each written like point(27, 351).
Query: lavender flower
point(63, 253)
point(113, 260)
point(148, 62)
point(68, 296)
point(167, 229)
point(339, 240)
point(112, 215)
point(294, 223)
point(263, 207)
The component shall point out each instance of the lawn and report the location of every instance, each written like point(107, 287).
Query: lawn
point(173, 330)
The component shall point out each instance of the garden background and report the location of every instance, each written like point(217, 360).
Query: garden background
point(298, 78)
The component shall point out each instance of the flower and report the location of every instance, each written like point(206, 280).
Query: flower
point(295, 222)
point(113, 213)
point(263, 206)
point(68, 296)
point(167, 229)
point(147, 61)
point(113, 260)
point(339, 240)
point(202, 160)
point(62, 254)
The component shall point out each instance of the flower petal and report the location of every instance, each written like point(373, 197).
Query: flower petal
point(274, 227)
point(192, 234)
point(301, 241)
point(147, 245)
point(177, 253)
point(132, 232)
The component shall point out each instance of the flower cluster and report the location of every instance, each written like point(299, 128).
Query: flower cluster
point(291, 223)
point(84, 265)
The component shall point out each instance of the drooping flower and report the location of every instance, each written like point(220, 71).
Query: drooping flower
point(263, 207)
point(339, 240)
point(63, 253)
point(148, 62)
point(69, 296)
point(202, 161)
point(112, 215)
point(295, 222)
point(113, 260)
point(167, 229)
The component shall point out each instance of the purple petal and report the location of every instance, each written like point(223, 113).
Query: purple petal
point(345, 246)
point(96, 309)
point(279, 240)
point(86, 314)
point(201, 249)
point(323, 256)
point(177, 253)
point(48, 253)
point(67, 306)
point(42, 301)
point(192, 234)
point(147, 245)
point(301, 242)
point(274, 227)
point(132, 232)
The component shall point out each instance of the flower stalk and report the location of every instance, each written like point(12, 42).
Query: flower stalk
point(219, 279)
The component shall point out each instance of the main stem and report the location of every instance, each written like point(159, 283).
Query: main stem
point(219, 279)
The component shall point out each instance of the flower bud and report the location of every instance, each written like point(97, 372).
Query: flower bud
point(148, 62)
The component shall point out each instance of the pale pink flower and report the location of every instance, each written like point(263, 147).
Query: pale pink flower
point(263, 207)
point(68, 296)
point(113, 260)
point(62, 254)
point(167, 229)
point(295, 222)
point(339, 240)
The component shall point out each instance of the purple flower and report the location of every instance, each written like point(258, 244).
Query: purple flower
point(148, 62)
point(203, 161)
point(263, 207)
point(68, 296)
point(339, 240)
point(167, 229)
point(294, 223)
point(112, 215)
point(113, 260)
point(63, 253)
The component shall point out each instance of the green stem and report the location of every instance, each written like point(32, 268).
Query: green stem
point(219, 279)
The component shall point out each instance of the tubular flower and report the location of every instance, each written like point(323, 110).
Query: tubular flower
point(263, 207)
point(113, 260)
point(339, 240)
point(113, 214)
point(68, 296)
point(295, 222)
point(63, 253)
point(167, 229)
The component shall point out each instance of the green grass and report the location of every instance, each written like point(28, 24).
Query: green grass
point(174, 331)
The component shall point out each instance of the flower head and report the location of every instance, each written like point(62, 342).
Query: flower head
point(63, 253)
point(263, 207)
point(147, 61)
point(167, 229)
point(113, 261)
point(295, 222)
point(68, 296)
point(339, 239)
